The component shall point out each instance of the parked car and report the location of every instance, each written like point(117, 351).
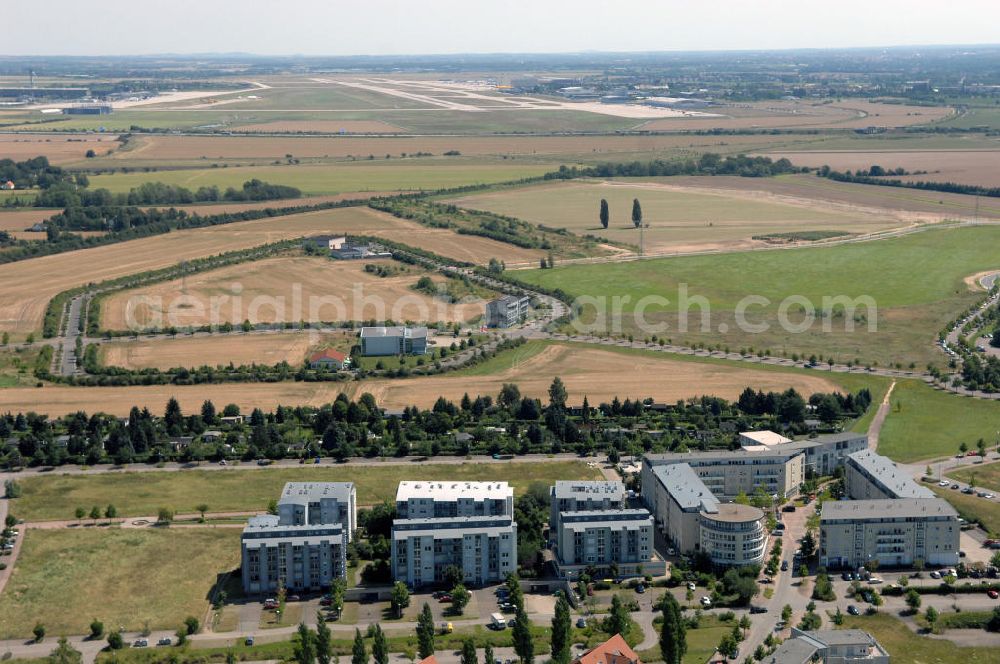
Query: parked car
point(968, 490)
point(691, 585)
point(165, 641)
point(640, 589)
point(993, 594)
point(263, 462)
point(954, 486)
point(140, 643)
point(784, 565)
point(935, 574)
point(444, 598)
point(223, 462)
point(294, 598)
point(943, 483)
point(758, 609)
point(248, 641)
point(581, 623)
point(706, 601)
point(853, 610)
point(874, 580)
point(788, 508)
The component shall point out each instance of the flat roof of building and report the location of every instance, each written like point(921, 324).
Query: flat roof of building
point(888, 475)
point(313, 492)
point(449, 491)
point(397, 331)
point(445, 527)
point(588, 489)
point(768, 438)
point(875, 510)
point(610, 518)
point(743, 454)
point(685, 487)
point(839, 637)
point(736, 513)
point(792, 651)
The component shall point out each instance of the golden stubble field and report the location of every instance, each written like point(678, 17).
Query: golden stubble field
point(975, 167)
point(58, 148)
point(27, 286)
point(599, 374)
point(288, 288)
point(266, 349)
point(848, 114)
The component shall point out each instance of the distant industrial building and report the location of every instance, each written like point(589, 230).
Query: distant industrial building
point(468, 525)
point(507, 310)
point(871, 476)
point(88, 109)
point(327, 242)
point(380, 341)
point(896, 533)
point(349, 250)
point(49, 94)
point(304, 546)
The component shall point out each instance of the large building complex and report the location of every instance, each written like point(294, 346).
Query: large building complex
point(591, 527)
point(834, 646)
point(393, 341)
point(896, 533)
point(870, 476)
point(304, 545)
point(734, 535)
point(729, 473)
point(468, 525)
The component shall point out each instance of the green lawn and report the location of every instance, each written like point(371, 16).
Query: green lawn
point(701, 642)
point(142, 494)
point(376, 175)
point(915, 283)
point(925, 423)
point(906, 647)
point(66, 578)
point(972, 508)
point(986, 476)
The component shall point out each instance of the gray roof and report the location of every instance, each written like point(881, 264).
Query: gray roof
point(889, 478)
point(840, 637)
point(444, 528)
point(792, 651)
point(686, 488)
point(785, 451)
point(876, 510)
point(609, 518)
point(303, 493)
point(397, 331)
point(584, 489)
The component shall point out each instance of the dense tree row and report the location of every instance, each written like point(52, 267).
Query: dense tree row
point(865, 177)
point(508, 423)
point(33, 173)
point(65, 195)
point(707, 164)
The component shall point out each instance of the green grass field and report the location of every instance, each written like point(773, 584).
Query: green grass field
point(986, 476)
point(701, 642)
point(142, 494)
point(376, 175)
point(906, 647)
point(915, 283)
point(676, 218)
point(924, 423)
point(66, 578)
point(972, 508)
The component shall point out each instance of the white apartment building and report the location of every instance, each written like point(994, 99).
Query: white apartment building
point(304, 546)
point(896, 533)
point(469, 525)
point(734, 535)
point(729, 473)
point(582, 496)
point(871, 476)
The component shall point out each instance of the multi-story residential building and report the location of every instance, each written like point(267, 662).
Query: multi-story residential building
point(583, 495)
point(729, 473)
point(734, 535)
point(871, 476)
point(312, 503)
point(825, 453)
point(469, 525)
point(507, 310)
point(304, 546)
point(607, 540)
point(692, 519)
point(896, 533)
point(835, 646)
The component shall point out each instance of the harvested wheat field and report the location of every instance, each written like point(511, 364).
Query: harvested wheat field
point(154, 148)
point(16, 222)
point(287, 288)
point(848, 114)
point(291, 347)
point(59, 149)
point(598, 373)
point(975, 167)
point(27, 286)
point(322, 127)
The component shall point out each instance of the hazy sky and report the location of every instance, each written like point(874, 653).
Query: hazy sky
point(335, 27)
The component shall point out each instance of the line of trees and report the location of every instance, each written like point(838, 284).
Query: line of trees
point(867, 177)
point(65, 194)
point(706, 164)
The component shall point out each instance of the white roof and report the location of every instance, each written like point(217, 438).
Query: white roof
point(448, 491)
point(768, 438)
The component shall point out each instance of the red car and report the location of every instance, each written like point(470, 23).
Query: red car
point(445, 598)
point(993, 594)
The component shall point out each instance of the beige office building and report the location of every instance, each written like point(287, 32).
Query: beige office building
point(728, 473)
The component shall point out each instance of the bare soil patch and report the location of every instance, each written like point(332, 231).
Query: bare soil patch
point(291, 347)
point(284, 289)
point(58, 148)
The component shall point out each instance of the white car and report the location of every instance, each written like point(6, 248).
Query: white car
point(874, 580)
point(943, 483)
point(989, 496)
point(706, 601)
point(691, 585)
point(935, 574)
